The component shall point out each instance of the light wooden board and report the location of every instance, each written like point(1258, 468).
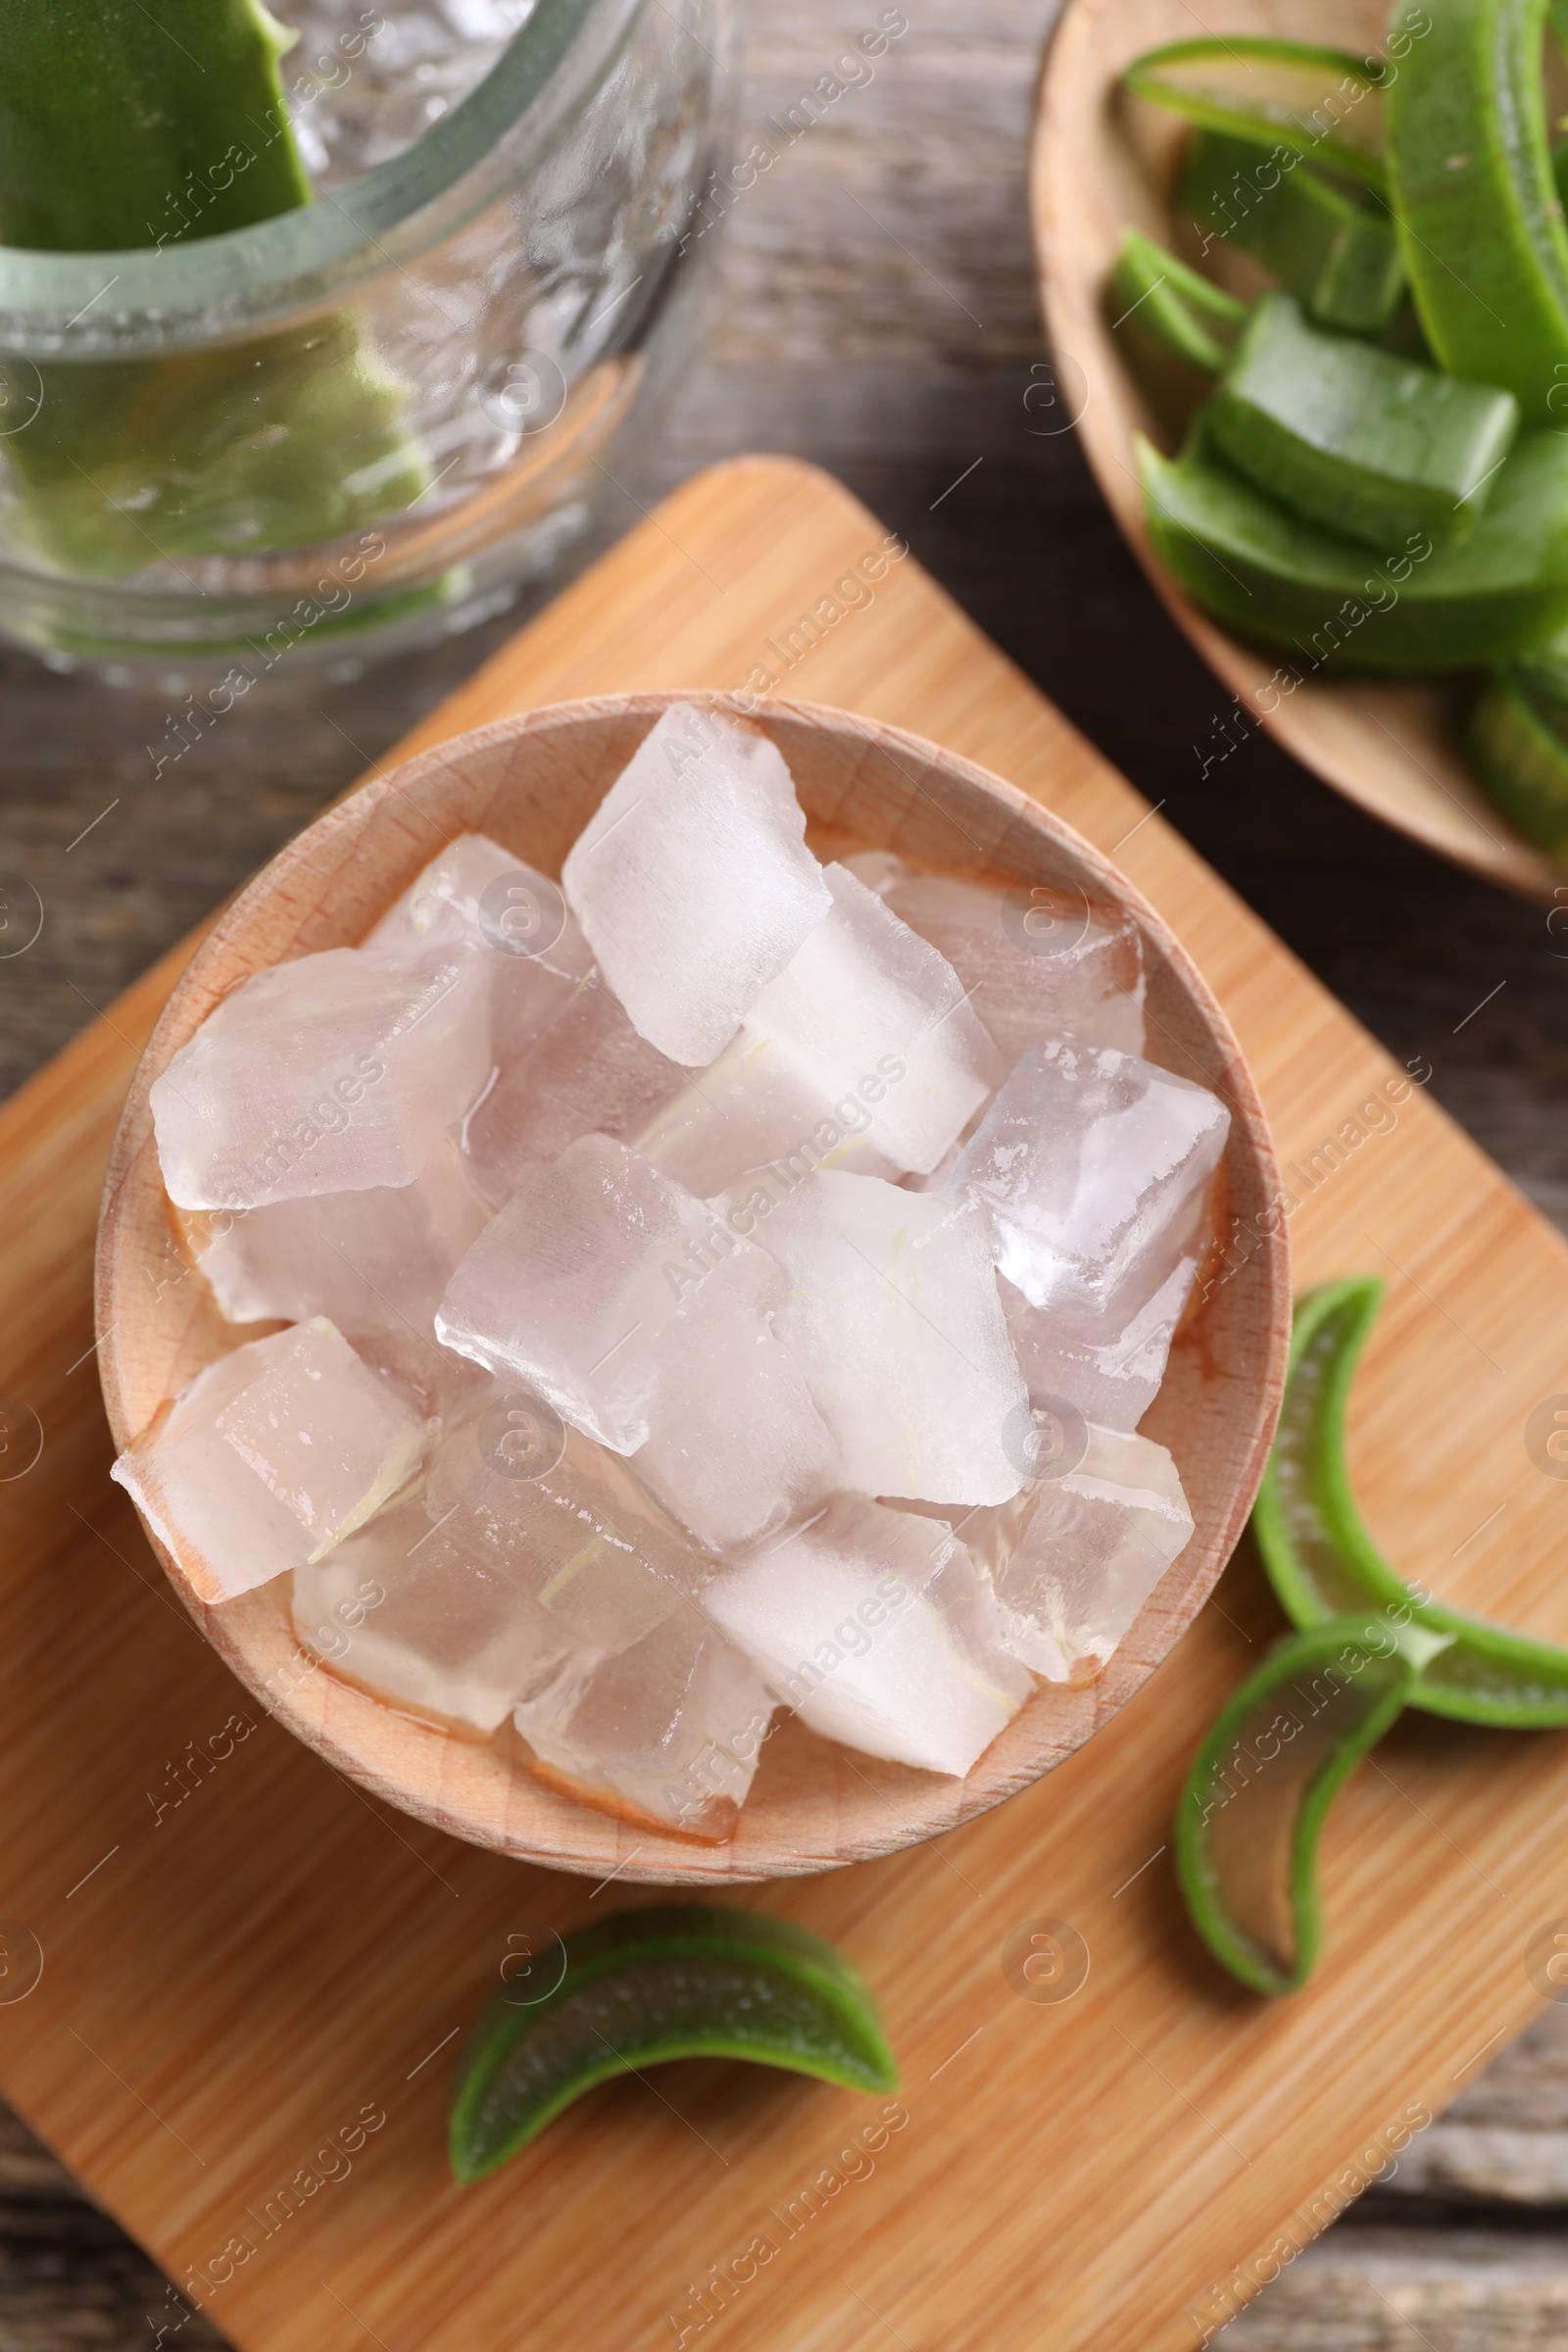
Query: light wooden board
point(240, 1976)
point(1394, 748)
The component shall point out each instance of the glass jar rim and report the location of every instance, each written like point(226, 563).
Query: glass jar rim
point(246, 281)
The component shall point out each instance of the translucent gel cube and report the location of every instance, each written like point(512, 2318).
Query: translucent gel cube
point(1074, 1558)
point(409, 1611)
point(270, 1458)
point(894, 1317)
point(594, 1281)
point(737, 1447)
point(477, 894)
point(589, 1073)
point(374, 1263)
point(693, 881)
point(876, 1628)
point(868, 1027)
point(670, 1730)
point(762, 1103)
point(1112, 1382)
point(1092, 1167)
point(333, 1073)
point(563, 1520)
point(1037, 961)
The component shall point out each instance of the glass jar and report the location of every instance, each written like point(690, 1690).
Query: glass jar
point(377, 416)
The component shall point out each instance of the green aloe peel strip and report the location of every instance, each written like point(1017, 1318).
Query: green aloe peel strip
point(1321, 1559)
point(1254, 1808)
point(1156, 298)
point(119, 128)
point(1326, 103)
point(1518, 746)
point(673, 1980)
point(1367, 1646)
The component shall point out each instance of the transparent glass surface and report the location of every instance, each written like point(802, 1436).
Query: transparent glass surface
point(380, 413)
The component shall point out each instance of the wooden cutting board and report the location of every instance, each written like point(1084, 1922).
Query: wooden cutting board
point(253, 1978)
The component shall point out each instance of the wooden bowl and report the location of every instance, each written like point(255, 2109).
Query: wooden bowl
point(532, 783)
point(1100, 163)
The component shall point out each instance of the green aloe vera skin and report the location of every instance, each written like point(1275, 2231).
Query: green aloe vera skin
point(291, 440)
point(1544, 670)
point(1330, 244)
point(1322, 1560)
point(1294, 95)
point(1518, 747)
point(1367, 445)
point(119, 128)
point(1470, 172)
point(123, 125)
point(642, 1987)
point(1367, 1646)
point(1157, 301)
point(1275, 577)
point(1253, 1810)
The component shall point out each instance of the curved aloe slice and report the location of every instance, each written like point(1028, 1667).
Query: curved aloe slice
point(676, 1980)
point(1159, 299)
point(1322, 1561)
point(1250, 1817)
point(1294, 94)
point(1471, 179)
point(1520, 754)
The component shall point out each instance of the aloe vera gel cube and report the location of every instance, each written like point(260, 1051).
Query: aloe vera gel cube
point(1333, 245)
point(1368, 445)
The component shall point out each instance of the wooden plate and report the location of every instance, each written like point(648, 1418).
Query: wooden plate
point(1100, 163)
point(531, 783)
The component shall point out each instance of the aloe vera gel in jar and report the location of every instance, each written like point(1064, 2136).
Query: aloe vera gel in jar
point(322, 318)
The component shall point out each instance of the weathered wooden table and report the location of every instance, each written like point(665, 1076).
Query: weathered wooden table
point(876, 313)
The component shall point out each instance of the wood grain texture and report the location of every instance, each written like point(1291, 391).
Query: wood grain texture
point(285, 1956)
point(877, 315)
point(532, 783)
point(1101, 162)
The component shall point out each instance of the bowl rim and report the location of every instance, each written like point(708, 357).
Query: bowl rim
point(559, 1832)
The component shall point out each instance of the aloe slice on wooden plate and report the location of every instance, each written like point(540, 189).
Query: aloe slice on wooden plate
point(1321, 1558)
point(671, 1981)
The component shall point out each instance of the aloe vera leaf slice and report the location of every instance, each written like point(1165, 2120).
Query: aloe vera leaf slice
point(295, 438)
point(1334, 246)
point(1276, 578)
point(1321, 1558)
point(1521, 760)
point(1367, 445)
point(1293, 94)
point(672, 1981)
point(1471, 181)
point(1251, 1815)
point(123, 125)
point(1157, 297)
point(174, 127)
